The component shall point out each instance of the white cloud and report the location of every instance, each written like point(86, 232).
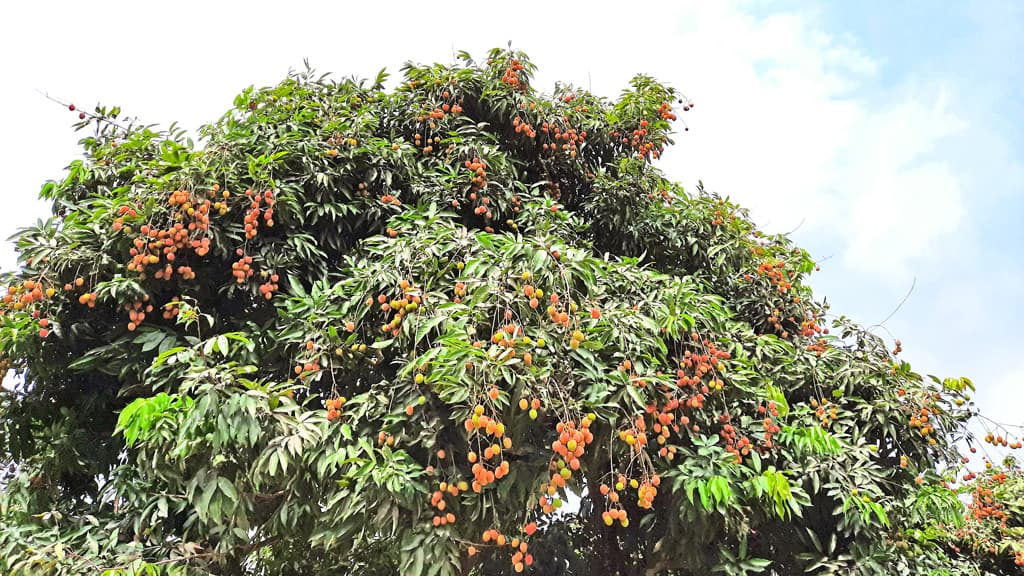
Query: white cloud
point(1004, 397)
point(784, 127)
point(779, 124)
point(902, 199)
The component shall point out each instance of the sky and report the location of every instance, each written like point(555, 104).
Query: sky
point(887, 136)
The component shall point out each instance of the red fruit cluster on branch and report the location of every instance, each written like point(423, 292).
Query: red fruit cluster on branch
point(137, 312)
point(488, 436)
point(333, 406)
point(987, 519)
point(398, 309)
point(28, 293)
point(776, 275)
point(520, 557)
point(166, 247)
point(511, 75)
point(569, 447)
point(921, 407)
point(437, 501)
point(256, 208)
point(267, 289)
point(172, 309)
point(566, 139)
point(478, 182)
point(665, 111)
point(242, 268)
point(522, 127)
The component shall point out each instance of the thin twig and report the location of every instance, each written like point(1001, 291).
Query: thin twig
point(900, 305)
point(799, 224)
point(87, 114)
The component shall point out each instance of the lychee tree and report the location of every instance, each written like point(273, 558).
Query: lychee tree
point(457, 326)
point(993, 527)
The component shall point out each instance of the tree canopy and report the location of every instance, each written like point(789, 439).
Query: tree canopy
point(455, 326)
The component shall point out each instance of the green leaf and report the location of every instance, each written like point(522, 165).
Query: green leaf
point(227, 488)
point(222, 345)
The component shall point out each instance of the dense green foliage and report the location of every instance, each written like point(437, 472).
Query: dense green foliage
point(456, 327)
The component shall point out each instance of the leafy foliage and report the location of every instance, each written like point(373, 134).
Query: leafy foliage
point(456, 327)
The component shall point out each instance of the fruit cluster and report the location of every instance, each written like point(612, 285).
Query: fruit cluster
point(307, 369)
point(825, 411)
point(987, 521)
point(635, 436)
point(721, 217)
point(451, 103)
point(665, 111)
point(460, 291)
point(390, 199)
point(137, 311)
point(268, 288)
point(504, 341)
point(88, 299)
point(569, 447)
point(921, 422)
point(172, 308)
point(409, 303)
point(28, 293)
point(333, 406)
point(340, 140)
point(640, 143)
point(437, 499)
point(478, 168)
point(523, 127)
point(129, 212)
point(809, 326)
point(426, 146)
point(610, 516)
point(646, 491)
point(557, 311)
point(776, 274)
point(771, 428)
point(563, 137)
point(490, 434)
point(257, 202)
point(734, 444)
point(1000, 440)
point(511, 75)
point(693, 370)
point(665, 424)
point(242, 268)
point(478, 182)
point(520, 557)
point(533, 404)
point(153, 246)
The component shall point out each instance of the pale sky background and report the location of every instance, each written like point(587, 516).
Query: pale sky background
point(889, 135)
